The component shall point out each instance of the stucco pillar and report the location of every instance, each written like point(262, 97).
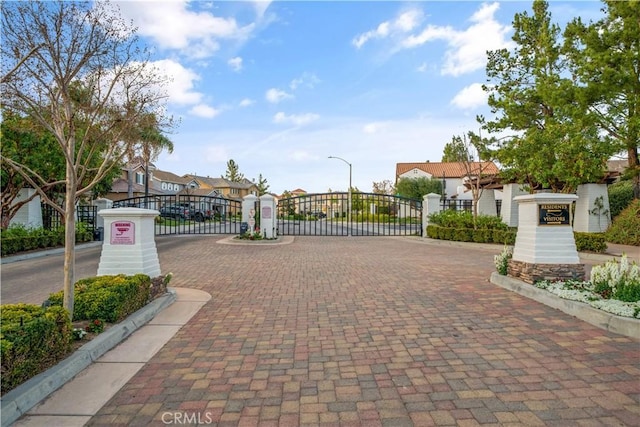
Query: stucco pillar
point(430, 205)
point(249, 212)
point(509, 208)
point(268, 216)
point(592, 213)
point(487, 203)
point(129, 245)
point(29, 214)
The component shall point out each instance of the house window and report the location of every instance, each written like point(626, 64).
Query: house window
point(139, 178)
point(235, 191)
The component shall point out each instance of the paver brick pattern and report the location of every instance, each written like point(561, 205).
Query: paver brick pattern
point(372, 332)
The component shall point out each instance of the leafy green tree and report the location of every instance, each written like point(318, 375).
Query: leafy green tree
point(455, 151)
point(263, 187)
point(83, 77)
point(553, 144)
point(384, 187)
point(605, 63)
point(233, 172)
point(416, 188)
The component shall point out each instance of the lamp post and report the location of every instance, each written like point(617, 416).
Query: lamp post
point(348, 201)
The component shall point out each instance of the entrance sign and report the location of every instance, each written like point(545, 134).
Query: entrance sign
point(266, 212)
point(553, 214)
point(123, 233)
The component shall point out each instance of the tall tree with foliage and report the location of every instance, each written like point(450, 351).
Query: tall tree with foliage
point(553, 144)
point(455, 151)
point(263, 187)
point(233, 172)
point(416, 188)
point(84, 77)
point(605, 64)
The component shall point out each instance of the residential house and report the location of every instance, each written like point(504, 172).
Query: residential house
point(228, 189)
point(454, 175)
point(160, 183)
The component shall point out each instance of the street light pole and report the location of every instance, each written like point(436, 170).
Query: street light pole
point(348, 201)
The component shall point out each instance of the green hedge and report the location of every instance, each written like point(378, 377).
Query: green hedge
point(507, 237)
point(32, 339)
point(592, 242)
point(19, 238)
point(620, 196)
point(109, 298)
point(625, 229)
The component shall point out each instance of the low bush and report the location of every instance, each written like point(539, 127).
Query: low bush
point(620, 196)
point(590, 242)
point(19, 238)
point(625, 229)
point(108, 298)
point(32, 339)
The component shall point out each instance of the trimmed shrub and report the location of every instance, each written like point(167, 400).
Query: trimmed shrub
point(19, 238)
point(109, 298)
point(590, 242)
point(32, 339)
point(625, 229)
point(620, 196)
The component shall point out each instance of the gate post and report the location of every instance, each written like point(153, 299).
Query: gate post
point(430, 205)
point(129, 245)
point(249, 212)
point(268, 216)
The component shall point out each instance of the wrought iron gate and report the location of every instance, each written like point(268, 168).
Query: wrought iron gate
point(188, 214)
point(334, 214)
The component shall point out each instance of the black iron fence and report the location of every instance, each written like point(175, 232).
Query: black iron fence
point(334, 214)
point(466, 205)
point(188, 214)
point(52, 219)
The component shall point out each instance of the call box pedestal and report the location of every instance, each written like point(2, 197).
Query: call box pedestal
point(545, 247)
point(129, 245)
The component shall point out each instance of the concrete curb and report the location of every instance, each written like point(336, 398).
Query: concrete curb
point(45, 252)
point(281, 240)
point(24, 397)
point(626, 326)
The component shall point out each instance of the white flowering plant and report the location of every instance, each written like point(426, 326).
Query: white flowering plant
point(614, 287)
point(501, 260)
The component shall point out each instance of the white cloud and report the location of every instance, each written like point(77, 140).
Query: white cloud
point(180, 88)
point(373, 127)
point(295, 119)
point(274, 95)
point(422, 68)
point(470, 97)
point(299, 155)
point(172, 25)
point(466, 49)
point(404, 23)
point(235, 63)
point(246, 102)
point(202, 110)
point(306, 79)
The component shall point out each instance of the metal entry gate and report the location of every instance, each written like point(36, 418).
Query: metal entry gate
point(334, 214)
point(187, 214)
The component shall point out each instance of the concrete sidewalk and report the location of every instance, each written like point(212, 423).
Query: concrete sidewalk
point(79, 399)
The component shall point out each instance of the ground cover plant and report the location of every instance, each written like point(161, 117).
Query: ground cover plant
point(613, 287)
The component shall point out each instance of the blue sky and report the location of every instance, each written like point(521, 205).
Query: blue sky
point(280, 86)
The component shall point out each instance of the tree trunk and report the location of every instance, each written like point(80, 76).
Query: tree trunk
point(634, 167)
point(130, 181)
point(69, 239)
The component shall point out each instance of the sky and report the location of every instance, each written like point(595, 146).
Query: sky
point(279, 86)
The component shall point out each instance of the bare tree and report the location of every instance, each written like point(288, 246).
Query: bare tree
point(78, 70)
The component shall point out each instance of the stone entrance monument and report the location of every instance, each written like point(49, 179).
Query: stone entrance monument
point(545, 247)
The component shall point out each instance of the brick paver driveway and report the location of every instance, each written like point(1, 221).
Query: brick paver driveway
point(372, 331)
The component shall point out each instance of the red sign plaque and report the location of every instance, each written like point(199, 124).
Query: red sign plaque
point(123, 233)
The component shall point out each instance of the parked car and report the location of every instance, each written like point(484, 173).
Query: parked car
point(175, 212)
point(196, 213)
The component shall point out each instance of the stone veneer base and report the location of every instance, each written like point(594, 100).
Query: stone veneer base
point(531, 273)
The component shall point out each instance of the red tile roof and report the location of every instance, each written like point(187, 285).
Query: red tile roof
point(448, 170)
